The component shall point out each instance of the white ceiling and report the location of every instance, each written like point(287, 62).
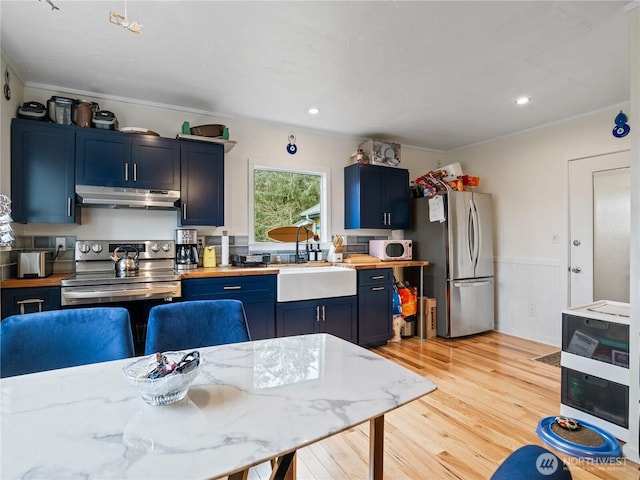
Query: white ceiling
point(437, 75)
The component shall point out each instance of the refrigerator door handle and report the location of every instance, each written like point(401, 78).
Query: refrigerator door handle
point(473, 283)
point(474, 233)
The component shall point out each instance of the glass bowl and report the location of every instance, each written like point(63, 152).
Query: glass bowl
point(163, 390)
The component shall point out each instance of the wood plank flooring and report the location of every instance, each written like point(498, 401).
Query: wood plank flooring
point(491, 395)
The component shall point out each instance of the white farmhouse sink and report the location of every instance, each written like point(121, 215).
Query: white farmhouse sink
point(307, 283)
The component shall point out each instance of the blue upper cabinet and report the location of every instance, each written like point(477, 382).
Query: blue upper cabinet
point(114, 159)
point(376, 197)
point(42, 172)
point(202, 187)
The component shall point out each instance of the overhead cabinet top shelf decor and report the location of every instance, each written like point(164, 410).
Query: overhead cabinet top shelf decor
point(228, 144)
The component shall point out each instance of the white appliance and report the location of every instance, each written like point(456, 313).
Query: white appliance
point(388, 250)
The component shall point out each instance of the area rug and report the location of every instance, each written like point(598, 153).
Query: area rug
point(550, 359)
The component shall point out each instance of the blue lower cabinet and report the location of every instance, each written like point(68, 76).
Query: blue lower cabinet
point(16, 301)
point(336, 316)
point(256, 292)
point(375, 307)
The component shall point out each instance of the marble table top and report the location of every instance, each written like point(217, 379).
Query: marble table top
point(251, 402)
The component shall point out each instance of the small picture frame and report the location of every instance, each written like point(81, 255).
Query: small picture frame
point(620, 358)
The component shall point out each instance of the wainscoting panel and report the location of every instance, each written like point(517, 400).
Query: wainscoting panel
point(530, 295)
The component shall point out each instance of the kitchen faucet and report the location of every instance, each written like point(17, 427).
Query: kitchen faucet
point(298, 258)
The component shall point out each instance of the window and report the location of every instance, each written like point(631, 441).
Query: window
point(285, 196)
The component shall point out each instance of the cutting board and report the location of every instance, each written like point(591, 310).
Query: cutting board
point(361, 258)
point(288, 234)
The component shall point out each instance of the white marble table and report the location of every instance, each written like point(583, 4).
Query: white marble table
point(252, 402)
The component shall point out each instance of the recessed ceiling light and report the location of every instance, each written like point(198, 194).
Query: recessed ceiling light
point(314, 111)
point(522, 100)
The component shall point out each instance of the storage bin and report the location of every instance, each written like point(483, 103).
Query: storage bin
point(596, 396)
point(596, 339)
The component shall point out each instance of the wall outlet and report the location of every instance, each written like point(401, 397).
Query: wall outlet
point(61, 243)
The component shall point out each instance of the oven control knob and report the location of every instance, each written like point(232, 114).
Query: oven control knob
point(166, 247)
point(155, 247)
point(97, 248)
point(84, 248)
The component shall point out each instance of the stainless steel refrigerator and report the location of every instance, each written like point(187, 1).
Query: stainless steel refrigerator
point(459, 250)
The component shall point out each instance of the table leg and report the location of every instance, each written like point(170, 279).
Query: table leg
point(243, 475)
point(376, 447)
point(285, 467)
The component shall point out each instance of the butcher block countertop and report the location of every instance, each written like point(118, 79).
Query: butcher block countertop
point(50, 281)
point(213, 272)
point(273, 269)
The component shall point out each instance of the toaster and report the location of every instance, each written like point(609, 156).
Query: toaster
point(35, 264)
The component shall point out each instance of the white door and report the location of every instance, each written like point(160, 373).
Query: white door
point(599, 228)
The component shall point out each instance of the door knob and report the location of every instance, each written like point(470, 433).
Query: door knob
point(577, 243)
point(576, 269)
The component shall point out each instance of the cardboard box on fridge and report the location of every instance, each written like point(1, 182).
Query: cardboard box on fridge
point(430, 314)
point(382, 153)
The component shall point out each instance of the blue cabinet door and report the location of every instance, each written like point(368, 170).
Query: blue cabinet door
point(156, 162)
point(256, 292)
point(202, 183)
point(114, 159)
point(336, 316)
point(16, 301)
point(42, 172)
point(376, 197)
point(375, 306)
point(103, 158)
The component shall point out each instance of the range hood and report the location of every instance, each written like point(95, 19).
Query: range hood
point(91, 195)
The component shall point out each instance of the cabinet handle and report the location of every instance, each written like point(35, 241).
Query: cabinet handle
point(324, 316)
point(126, 172)
point(22, 303)
point(596, 324)
point(389, 219)
point(375, 289)
point(384, 218)
point(135, 172)
point(184, 211)
point(68, 206)
point(234, 287)
point(377, 277)
point(317, 313)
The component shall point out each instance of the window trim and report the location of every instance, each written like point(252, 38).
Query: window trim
point(325, 194)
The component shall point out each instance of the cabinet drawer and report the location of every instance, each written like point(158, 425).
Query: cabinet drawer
point(596, 396)
point(596, 339)
point(16, 301)
point(256, 285)
point(377, 276)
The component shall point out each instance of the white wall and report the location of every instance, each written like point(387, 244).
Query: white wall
point(527, 174)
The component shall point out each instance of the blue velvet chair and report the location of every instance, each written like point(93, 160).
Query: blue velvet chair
point(41, 341)
point(532, 462)
point(197, 323)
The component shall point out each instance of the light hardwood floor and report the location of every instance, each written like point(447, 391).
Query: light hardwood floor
point(491, 395)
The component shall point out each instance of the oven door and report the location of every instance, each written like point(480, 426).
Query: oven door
point(94, 294)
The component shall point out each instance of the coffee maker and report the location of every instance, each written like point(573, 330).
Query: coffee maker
point(186, 249)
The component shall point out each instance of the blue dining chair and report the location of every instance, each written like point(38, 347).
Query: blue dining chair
point(53, 339)
point(532, 462)
point(197, 323)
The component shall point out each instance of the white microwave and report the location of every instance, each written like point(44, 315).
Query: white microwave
point(388, 250)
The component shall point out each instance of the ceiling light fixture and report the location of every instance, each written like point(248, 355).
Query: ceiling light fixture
point(124, 22)
point(314, 111)
point(522, 100)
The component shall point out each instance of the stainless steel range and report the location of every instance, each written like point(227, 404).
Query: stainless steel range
point(97, 280)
